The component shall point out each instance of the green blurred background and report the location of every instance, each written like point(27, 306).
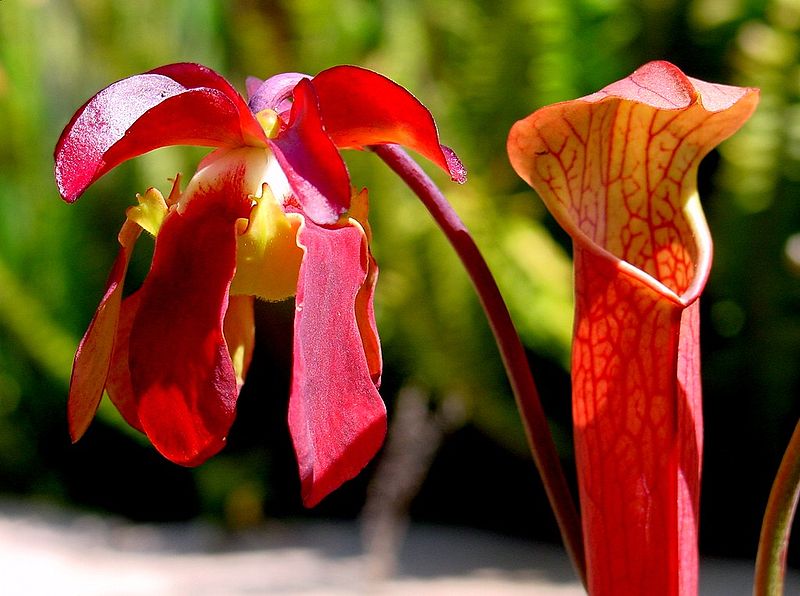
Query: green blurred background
point(479, 65)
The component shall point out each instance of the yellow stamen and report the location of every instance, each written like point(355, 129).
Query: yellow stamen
point(151, 210)
point(267, 256)
point(175, 193)
point(359, 209)
point(270, 122)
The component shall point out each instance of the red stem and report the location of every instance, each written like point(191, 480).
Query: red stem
point(511, 350)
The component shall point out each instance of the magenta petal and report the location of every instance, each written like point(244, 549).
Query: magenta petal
point(311, 162)
point(181, 371)
point(361, 107)
point(251, 85)
point(145, 112)
point(336, 416)
point(275, 93)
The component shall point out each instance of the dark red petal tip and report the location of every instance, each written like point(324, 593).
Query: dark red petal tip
point(458, 173)
point(180, 368)
point(360, 108)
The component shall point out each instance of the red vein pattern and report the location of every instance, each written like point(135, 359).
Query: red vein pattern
point(618, 171)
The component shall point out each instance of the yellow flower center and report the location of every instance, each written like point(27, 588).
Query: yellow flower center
point(270, 122)
point(268, 257)
point(150, 212)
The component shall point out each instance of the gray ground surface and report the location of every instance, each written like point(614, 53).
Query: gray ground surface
point(49, 551)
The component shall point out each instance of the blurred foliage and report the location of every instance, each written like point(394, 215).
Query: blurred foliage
point(478, 65)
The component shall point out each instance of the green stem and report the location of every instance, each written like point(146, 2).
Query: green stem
point(777, 525)
point(511, 350)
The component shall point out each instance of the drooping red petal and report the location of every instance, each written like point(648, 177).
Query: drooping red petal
point(365, 312)
point(148, 111)
point(181, 372)
point(310, 160)
point(336, 417)
point(365, 316)
point(92, 360)
point(118, 384)
point(618, 171)
point(239, 331)
point(360, 108)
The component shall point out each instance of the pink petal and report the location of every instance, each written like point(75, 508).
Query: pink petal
point(93, 358)
point(181, 371)
point(663, 86)
point(145, 112)
point(275, 93)
point(251, 85)
point(365, 312)
point(336, 417)
point(361, 108)
point(310, 160)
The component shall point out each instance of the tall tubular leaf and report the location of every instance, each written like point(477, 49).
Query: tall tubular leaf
point(618, 171)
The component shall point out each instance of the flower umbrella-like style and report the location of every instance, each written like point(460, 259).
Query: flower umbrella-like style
point(270, 213)
point(618, 171)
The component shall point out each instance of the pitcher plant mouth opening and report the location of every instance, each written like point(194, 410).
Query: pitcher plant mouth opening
point(618, 171)
point(269, 214)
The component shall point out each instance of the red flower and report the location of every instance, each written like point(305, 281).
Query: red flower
point(618, 170)
point(270, 214)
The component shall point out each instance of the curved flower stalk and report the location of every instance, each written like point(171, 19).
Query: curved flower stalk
point(269, 214)
point(510, 346)
point(618, 170)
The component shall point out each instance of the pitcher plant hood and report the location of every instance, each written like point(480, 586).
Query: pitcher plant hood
point(618, 170)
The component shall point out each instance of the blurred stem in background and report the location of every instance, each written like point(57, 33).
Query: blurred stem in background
point(773, 546)
point(415, 436)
